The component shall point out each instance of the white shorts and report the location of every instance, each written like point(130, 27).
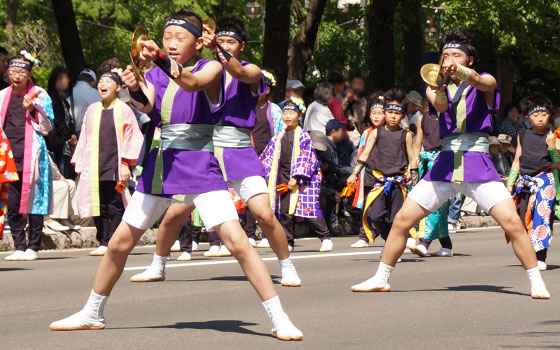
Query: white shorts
point(215, 208)
point(432, 194)
point(249, 187)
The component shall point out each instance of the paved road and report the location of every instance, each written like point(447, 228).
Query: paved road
point(476, 300)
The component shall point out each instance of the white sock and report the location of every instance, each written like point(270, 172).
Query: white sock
point(281, 324)
point(287, 264)
point(158, 263)
point(537, 283)
point(94, 306)
point(383, 272)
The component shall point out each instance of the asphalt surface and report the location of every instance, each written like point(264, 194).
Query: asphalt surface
point(476, 300)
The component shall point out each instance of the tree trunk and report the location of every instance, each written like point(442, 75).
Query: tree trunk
point(12, 8)
point(276, 43)
point(506, 76)
point(412, 42)
point(381, 53)
point(69, 37)
point(301, 48)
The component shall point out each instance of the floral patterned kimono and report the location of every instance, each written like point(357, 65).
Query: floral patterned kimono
point(304, 198)
point(86, 156)
point(37, 188)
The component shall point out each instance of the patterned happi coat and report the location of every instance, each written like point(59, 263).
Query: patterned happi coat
point(304, 198)
point(36, 187)
point(86, 157)
point(8, 173)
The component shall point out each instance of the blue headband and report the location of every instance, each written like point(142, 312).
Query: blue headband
point(291, 107)
point(231, 34)
point(376, 105)
point(184, 24)
point(458, 46)
point(20, 64)
point(538, 109)
point(111, 76)
point(394, 107)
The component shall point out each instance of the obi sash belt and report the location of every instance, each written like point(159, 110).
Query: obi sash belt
point(383, 184)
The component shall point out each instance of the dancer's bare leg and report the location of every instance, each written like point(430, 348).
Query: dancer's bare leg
point(170, 226)
point(176, 214)
point(259, 206)
point(232, 235)
point(111, 267)
point(410, 214)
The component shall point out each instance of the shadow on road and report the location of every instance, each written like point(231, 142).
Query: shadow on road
point(548, 268)
point(2, 269)
point(226, 326)
point(222, 278)
point(468, 288)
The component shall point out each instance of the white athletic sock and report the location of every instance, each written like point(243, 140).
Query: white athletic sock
point(94, 307)
point(290, 277)
point(282, 327)
point(158, 263)
point(538, 288)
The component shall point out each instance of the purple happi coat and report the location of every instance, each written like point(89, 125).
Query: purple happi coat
point(305, 167)
point(239, 111)
point(474, 166)
point(177, 171)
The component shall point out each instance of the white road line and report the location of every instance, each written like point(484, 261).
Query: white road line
point(233, 261)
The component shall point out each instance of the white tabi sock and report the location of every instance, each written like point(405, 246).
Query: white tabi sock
point(158, 263)
point(538, 288)
point(94, 307)
point(290, 277)
point(282, 327)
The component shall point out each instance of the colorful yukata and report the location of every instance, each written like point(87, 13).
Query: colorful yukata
point(86, 157)
point(535, 192)
point(36, 194)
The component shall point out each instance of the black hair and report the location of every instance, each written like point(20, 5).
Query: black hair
point(107, 65)
point(335, 77)
point(459, 36)
point(187, 14)
point(20, 57)
point(56, 72)
point(375, 97)
point(395, 95)
point(535, 100)
point(511, 106)
point(235, 24)
point(85, 77)
point(3, 51)
point(291, 103)
point(356, 74)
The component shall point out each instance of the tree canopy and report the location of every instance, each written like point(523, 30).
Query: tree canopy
point(518, 39)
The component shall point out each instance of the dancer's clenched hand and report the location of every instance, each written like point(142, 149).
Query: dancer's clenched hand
point(129, 79)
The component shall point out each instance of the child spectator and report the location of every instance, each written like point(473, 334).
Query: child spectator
point(109, 144)
point(294, 178)
point(27, 115)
